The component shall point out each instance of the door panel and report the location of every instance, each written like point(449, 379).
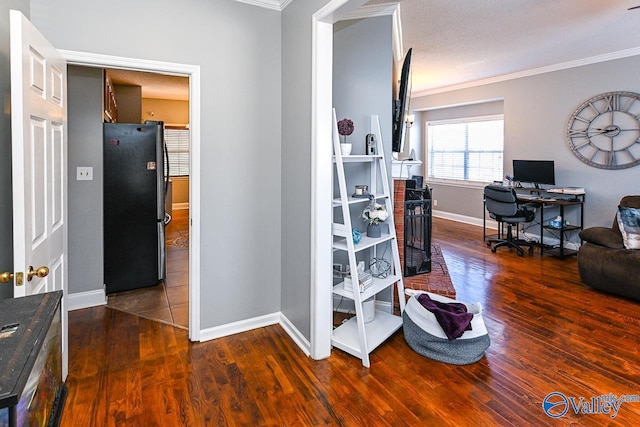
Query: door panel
point(57, 177)
point(39, 168)
point(37, 184)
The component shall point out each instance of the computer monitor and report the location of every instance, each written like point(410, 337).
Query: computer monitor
point(534, 171)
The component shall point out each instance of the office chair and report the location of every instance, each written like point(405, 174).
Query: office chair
point(502, 205)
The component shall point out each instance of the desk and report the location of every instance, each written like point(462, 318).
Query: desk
point(541, 200)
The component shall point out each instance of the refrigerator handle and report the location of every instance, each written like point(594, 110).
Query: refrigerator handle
point(162, 252)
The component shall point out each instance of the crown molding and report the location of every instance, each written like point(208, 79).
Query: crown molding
point(534, 71)
point(278, 5)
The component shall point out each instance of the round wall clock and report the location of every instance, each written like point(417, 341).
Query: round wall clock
point(604, 131)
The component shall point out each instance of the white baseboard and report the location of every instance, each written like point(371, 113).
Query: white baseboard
point(384, 306)
point(87, 299)
point(493, 225)
point(239, 326)
point(459, 218)
point(295, 335)
point(255, 323)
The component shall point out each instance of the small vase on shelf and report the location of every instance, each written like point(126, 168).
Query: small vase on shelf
point(374, 230)
point(345, 148)
point(345, 127)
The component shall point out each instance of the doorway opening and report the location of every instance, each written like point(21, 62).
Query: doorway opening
point(138, 97)
point(187, 222)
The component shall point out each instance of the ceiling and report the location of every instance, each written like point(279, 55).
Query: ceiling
point(157, 86)
point(456, 42)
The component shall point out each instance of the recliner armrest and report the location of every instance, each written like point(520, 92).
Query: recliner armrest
point(602, 236)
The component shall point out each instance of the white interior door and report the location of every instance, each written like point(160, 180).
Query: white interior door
point(39, 145)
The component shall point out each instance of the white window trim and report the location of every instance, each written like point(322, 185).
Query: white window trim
point(455, 182)
point(466, 120)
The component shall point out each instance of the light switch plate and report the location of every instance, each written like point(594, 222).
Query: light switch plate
point(84, 173)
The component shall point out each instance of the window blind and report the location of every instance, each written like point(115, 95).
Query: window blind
point(177, 143)
point(466, 149)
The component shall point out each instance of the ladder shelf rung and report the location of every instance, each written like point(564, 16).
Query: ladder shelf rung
point(358, 158)
point(379, 284)
point(346, 336)
point(337, 202)
point(366, 242)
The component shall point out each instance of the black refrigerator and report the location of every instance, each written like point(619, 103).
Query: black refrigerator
point(134, 192)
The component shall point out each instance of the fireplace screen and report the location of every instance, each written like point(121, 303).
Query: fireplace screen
point(417, 232)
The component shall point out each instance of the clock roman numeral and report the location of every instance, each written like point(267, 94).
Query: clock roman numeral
point(610, 158)
point(595, 110)
point(628, 104)
point(584, 144)
point(577, 133)
point(629, 153)
point(612, 102)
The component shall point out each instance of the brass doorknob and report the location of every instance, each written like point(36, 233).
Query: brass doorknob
point(5, 276)
point(40, 272)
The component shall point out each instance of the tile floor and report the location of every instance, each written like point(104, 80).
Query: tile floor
point(167, 302)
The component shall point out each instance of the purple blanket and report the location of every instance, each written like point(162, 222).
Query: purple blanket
point(452, 317)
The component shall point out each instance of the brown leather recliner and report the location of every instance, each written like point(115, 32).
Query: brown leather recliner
point(603, 261)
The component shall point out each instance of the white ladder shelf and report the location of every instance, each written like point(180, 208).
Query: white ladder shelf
point(355, 336)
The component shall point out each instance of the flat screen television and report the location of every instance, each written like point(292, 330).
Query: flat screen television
point(401, 105)
point(536, 172)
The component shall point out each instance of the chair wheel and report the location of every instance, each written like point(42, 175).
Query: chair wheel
point(488, 243)
point(520, 252)
point(530, 249)
point(493, 250)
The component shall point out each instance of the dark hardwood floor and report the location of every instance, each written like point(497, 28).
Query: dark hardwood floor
point(549, 333)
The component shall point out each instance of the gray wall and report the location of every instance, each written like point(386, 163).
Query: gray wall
point(86, 254)
point(362, 77)
point(536, 110)
point(362, 86)
point(296, 160)
point(238, 49)
point(6, 223)
point(296, 163)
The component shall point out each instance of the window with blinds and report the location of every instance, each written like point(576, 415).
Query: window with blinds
point(466, 149)
point(177, 143)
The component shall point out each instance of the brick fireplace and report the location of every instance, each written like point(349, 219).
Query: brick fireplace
point(434, 280)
